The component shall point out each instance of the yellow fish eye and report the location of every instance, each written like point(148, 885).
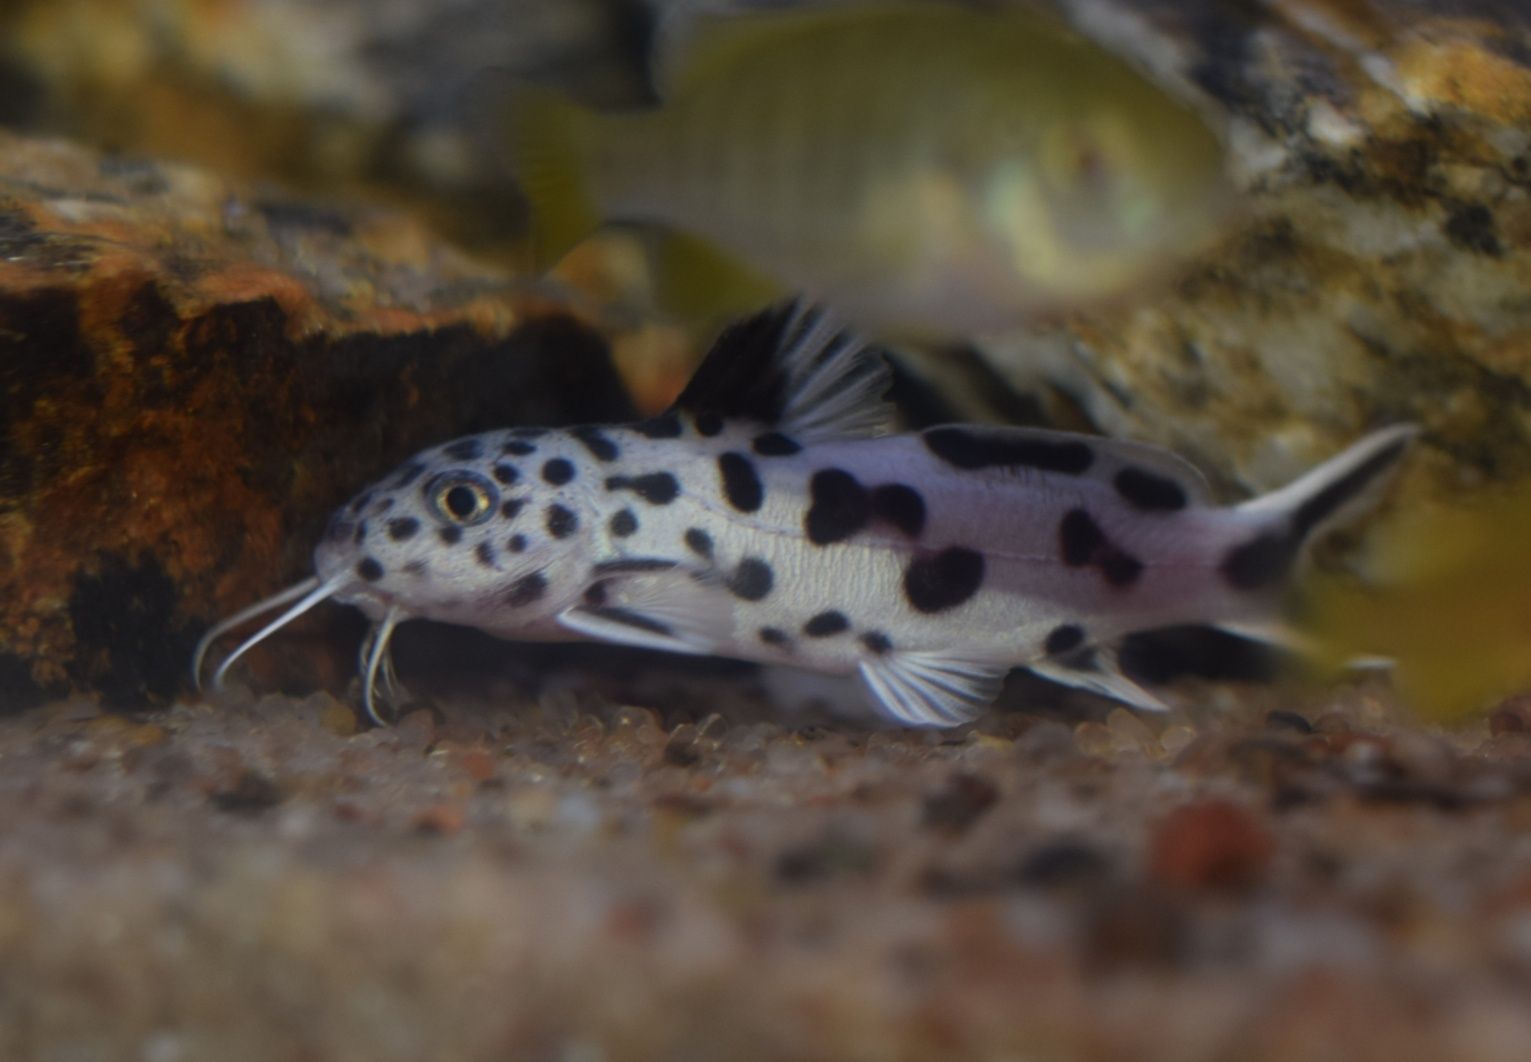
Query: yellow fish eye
point(463, 498)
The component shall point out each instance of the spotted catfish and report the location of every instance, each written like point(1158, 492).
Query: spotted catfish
point(770, 516)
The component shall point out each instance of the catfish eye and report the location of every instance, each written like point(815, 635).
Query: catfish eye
point(462, 497)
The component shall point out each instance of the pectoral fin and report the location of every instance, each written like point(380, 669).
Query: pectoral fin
point(674, 610)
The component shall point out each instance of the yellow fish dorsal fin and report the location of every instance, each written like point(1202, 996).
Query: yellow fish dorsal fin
point(698, 39)
point(695, 281)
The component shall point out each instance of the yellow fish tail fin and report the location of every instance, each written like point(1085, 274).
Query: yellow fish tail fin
point(548, 144)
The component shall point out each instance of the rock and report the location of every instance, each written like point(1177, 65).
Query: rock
point(960, 802)
point(1378, 271)
point(334, 97)
point(190, 380)
point(1210, 846)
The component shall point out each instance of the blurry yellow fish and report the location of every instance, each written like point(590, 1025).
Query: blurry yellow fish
point(925, 170)
point(1449, 604)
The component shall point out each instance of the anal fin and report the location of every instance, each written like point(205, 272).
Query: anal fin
point(928, 689)
point(1097, 672)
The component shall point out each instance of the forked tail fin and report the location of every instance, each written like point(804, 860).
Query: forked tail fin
point(1336, 491)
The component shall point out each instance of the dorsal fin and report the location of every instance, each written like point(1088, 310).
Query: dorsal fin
point(695, 39)
point(793, 369)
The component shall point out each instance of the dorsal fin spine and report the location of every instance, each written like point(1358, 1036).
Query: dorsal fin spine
point(792, 368)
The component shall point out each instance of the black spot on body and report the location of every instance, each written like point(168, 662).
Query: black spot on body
point(408, 474)
point(1260, 562)
point(838, 507)
point(699, 542)
point(484, 554)
point(775, 636)
point(664, 426)
point(876, 642)
point(369, 569)
point(774, 444)
point(1080, 538)
point(560, 521)
point(972, 450)
point(464, 450)
point(558, 471)
point(403, 529)
point(526, 590)
point(1064, 638)
point(593, 439)
point(900, 505)
point(595, 594)
point(1083, 544)
point(656, 488)
point(944, 580)
point(449, 535)
point(752, 580)
point(709, 424)
point(516, 543)
point(741, 482)
point(361, 533)
point(518, 448)
point(623, 523)
point(826, 624)
point(511, 508)
point(506, 474)
point(361, 501)
point(1120, 569)
point(1149, 491)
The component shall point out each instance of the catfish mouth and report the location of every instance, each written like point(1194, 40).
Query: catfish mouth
point(374, 660)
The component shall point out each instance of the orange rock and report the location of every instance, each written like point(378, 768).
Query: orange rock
point(1210, 846)
point(193, 376)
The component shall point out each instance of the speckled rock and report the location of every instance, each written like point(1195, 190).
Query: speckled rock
point(1381, 267)
point(192, 374)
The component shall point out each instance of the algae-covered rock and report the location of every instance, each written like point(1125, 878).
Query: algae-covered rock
point(191, 375)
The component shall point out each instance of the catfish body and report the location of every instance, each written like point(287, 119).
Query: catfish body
point(768, 517)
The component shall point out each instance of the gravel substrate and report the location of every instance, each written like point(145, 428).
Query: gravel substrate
point(1270, 878)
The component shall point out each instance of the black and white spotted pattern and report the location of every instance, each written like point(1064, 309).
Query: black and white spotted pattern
point(766, 517)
